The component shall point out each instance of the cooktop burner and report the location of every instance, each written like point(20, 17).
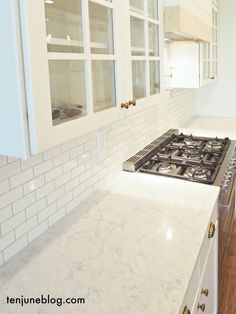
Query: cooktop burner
point(188, 157)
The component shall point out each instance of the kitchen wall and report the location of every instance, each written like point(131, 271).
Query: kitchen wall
point(36, 193)
point(218, 99)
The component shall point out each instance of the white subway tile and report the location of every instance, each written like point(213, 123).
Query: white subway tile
point(64, 200)
point(12, 223)
point(39, 229)
point(71, 185)
point(35, 208)
point(6, 240)
point(78, 170)
point(62, 180)
point(1, 259)
point(9, 170)
point(61, 159)
point(5, 213)
point(73, 204)
point(21, 178)
point(76, 151)
point(11, 159)
point(68, 145)
point(33, 185)
point(3, 160)
point(15, 248)
point(23, 203)
point(47, 212)
point(69, 165)
point(79, 189)
point(90, 145)
point(32, 161)
point(82, 159)
point(52, 152)
point(83, 139)
point(45, 190)
point(54, 196)
point(4, 186)
point(57, 216)
point(25, 227)
point(43, 167)
point(86, 194)
point(53, 174)
point(10, 197)
point(86, 175)
point(92, 180)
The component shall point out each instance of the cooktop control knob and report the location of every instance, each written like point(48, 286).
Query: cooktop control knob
point(224, 187)
point(229, 174)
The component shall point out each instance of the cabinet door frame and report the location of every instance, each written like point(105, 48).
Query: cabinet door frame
point(150, 100)
point(43, 134)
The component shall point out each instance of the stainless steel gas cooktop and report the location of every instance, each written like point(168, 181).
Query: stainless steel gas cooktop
point(182, 156)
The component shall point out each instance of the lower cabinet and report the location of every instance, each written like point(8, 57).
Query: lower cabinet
point(202, 292)
point(206, 297)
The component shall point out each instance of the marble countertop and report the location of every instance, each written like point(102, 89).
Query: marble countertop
point(130, 249)
point(211, 126)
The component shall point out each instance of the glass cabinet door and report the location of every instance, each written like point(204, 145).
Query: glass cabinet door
point(81, 57)
point(214, 44)
point(145, 57)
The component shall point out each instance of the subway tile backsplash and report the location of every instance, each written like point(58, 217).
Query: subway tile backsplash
point(36, 193)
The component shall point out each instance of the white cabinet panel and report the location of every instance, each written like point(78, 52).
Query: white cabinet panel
point(13, 124)
point(184, 64)
point(73, 65)
point(202, 292)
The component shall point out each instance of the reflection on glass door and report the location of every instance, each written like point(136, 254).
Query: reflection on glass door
point(67, 85)
point(144, 30)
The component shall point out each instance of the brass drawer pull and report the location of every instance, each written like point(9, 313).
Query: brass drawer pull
point(125, 105)
point(202, 307)
point(186, 310)
point(211, 231)
point(205, 292)
point(132, 102)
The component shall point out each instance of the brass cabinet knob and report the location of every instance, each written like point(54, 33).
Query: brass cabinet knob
point(202, 307)
point(205, 292)
point(125, 105)
point(186, 310)
point(132, 102)
point(211, 231)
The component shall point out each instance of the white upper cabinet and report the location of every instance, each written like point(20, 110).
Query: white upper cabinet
point(73, 67)
point(193, 64)
point(143, 67)
point(76, 62)
point(188, 19)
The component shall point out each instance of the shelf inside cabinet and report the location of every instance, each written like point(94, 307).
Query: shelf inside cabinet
point(70, 42)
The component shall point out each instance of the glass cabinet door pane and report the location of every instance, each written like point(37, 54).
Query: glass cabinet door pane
point(137, 6)
point(67, 85)
point(153, 9)
point(153, 39)
point(204, 70)
point(139, 79)
point(64, 26)
point(101, 29)
point(137, 37)
point(154, 77)
point(103, 73)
